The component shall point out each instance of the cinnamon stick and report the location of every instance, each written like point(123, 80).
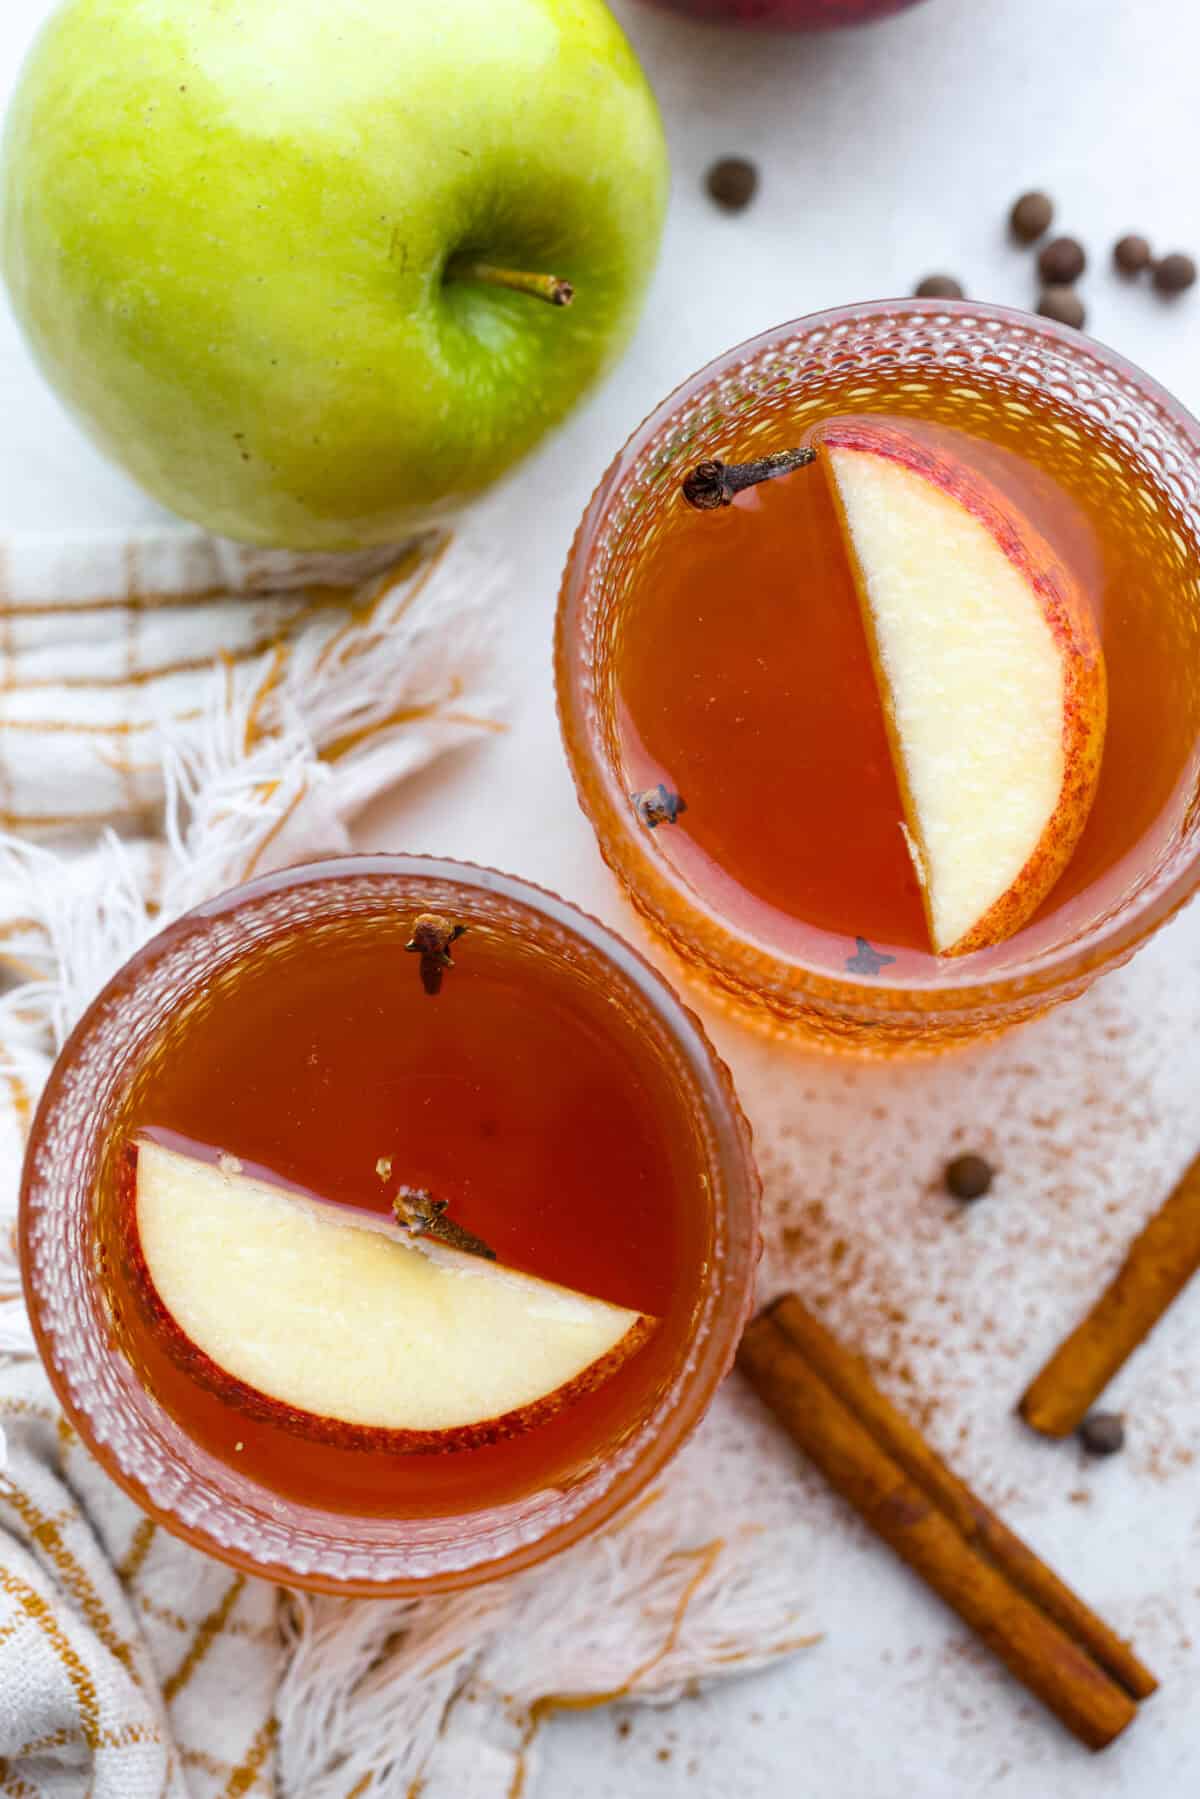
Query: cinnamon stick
point(1161, 1260)
point(849, 1377)
point(836, 1423)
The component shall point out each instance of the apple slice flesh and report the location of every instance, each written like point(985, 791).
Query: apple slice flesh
point(341, 1318)
point(991, 675)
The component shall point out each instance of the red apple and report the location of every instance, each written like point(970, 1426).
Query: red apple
point(785, 15)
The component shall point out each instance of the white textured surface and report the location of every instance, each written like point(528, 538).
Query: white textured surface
point(885, 155)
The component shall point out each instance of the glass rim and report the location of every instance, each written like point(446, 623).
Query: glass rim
point(658, 889)
point(723, 1305)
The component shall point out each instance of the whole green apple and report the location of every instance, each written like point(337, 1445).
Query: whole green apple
point(260, 246)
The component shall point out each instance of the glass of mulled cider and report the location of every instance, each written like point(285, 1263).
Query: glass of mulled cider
point(387, 1224)
point(879, 670)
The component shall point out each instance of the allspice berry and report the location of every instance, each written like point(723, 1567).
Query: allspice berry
point(1062, 261)
point(1174, 273)
point(1102, 1433)
point(1063, 304)
point(939, 287)
point(968, 1177)
point(732, 183)
point(1132, 254)
point(1031, 217)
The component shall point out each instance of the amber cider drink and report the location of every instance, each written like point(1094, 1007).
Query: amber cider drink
point(541, 1086)
point(720, 658)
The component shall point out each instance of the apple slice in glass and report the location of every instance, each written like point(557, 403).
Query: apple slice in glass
point(339, 1323)
point(990, 671)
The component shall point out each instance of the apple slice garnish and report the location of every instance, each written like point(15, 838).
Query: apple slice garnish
point(339, 1323)
point(990, 671)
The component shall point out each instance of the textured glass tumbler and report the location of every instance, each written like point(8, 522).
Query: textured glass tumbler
point(992, 353)
point(146, 1451)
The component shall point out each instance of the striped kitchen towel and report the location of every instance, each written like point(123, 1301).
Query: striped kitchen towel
point(177, 714)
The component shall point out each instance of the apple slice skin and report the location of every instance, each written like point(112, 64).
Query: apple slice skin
point(1070, 619)
point(335, 1433)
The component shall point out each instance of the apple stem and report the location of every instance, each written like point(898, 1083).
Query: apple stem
point(542, 287)
point(713, 484)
